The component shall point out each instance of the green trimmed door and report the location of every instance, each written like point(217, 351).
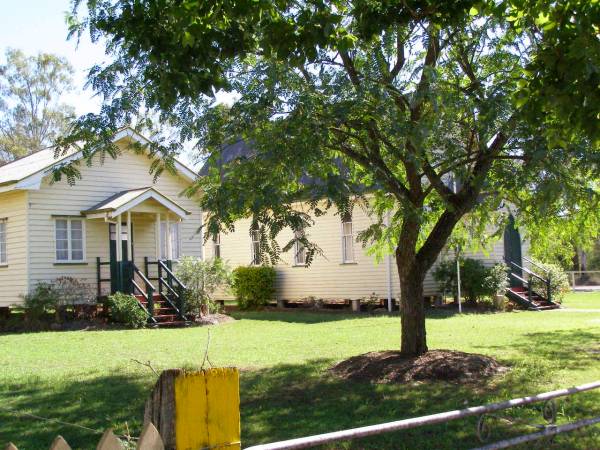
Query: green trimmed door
point(117, 276)
point(512, 250)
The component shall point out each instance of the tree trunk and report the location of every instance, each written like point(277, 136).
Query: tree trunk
point(414, 339)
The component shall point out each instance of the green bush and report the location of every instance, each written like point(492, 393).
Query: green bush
point(476, 280)
point(124, 309)
point(40, 302)
point(253, 286)
point(559, 280)
point(202, 279)
point(496, 281)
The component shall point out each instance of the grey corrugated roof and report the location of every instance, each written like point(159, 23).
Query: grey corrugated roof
point(230, 152)
point(28, 165)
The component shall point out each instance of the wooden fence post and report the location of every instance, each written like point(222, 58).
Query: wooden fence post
point(194, 410)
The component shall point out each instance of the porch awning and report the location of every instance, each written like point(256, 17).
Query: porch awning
point(124, 201)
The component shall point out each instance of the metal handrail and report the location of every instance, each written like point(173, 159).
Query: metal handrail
point(168, 286)
point(536, 264)
point(143, 277)
point(371, 430)
point(171, 274)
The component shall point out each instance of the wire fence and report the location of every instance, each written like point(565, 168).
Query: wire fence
point(581, 280)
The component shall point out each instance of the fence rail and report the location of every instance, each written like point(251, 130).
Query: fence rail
point(372, 430)
point(584, 279)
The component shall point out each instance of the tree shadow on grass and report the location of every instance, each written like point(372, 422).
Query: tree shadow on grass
point(289, 401)
point(572, 350)
point(293, 400)
point(312, 316)
point(96, 403)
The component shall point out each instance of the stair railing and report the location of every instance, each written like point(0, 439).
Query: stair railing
point(147, 293)
point(530, 275)
point(169, 282)
point(547, 280)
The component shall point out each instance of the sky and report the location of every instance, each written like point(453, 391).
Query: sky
point(39, 26)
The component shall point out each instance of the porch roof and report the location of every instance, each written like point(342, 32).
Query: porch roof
point(124, 201)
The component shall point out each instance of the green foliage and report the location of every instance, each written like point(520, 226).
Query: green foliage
point(72, 291)
point(559, 280)
point(124, 309)
point(202, 279)
point(31, 114)
point(339, 99)
point(42, 301)
point(253, 286)
point(496, 280)
point(476, 280)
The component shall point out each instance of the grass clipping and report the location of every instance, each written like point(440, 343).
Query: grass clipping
point(435, 365)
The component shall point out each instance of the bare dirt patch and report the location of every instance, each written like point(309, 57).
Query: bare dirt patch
point(435, 365)
point(213, 319)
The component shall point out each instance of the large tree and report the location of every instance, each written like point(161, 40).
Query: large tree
point(31, 111)
point(430, 110)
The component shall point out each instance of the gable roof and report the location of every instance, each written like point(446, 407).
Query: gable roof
point(27, 172)
point(125, 200)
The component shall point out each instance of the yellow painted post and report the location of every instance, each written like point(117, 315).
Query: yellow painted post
point(194, 410)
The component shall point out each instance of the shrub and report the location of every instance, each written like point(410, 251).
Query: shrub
point(476, 280)
point(202, 279)
point(559, 281)
point(496, 281)
point(253, 287)
point(124, 309)
point(71, 291)
point(40, 302)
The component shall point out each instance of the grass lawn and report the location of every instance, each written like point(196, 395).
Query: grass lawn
point(88, 378)
point(582, 300)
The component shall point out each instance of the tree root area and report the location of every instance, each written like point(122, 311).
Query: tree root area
point(435, 365)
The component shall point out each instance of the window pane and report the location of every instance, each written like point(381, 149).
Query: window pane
point(175, 241)
point(76, 234)
point(62, 233)
point(348, 248)
point(2, 252)
point(77, 255)
point(62, 250)
point(347, 228)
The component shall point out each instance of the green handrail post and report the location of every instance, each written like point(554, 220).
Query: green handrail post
point(159, 278)
point(181, 298)
point(549, 287)
point(169, 277)
point(529, 287)
point(150, 293)
point(98, 277)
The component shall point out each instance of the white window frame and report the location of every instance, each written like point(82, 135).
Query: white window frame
point(255, 241)
point(217, 246)
point(163, 242)
point(70, 259)
point(298, 247)
point(348, 256)
point(3, 240)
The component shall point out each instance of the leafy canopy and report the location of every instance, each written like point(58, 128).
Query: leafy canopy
point(31, 112)
point(394, 99)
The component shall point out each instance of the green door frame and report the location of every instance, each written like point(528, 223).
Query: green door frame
point(119, 272)
point(513, 250)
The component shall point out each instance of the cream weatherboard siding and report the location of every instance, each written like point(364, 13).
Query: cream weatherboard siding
point(98, 182)
point(328, 277)
point(13, 275)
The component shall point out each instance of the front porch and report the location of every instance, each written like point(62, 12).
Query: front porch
point(142, 237)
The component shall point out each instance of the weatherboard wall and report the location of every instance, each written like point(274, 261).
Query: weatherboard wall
point(13, 275)
point(98, 182)
point(328, 277)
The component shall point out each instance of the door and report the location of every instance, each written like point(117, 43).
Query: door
point(115, 278)
point(512, 250)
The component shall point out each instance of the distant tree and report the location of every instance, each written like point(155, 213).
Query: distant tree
point(499, 96)
point(31, 114)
